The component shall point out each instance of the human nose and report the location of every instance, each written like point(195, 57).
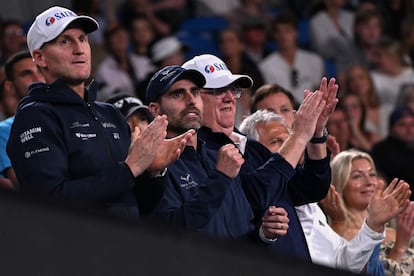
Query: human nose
point(189, 97)
point(79, 46)
point(370, 180)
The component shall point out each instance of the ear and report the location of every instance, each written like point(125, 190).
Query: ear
point(154, 108)
point(38, 58)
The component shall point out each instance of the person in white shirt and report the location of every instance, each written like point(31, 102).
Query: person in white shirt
point(289, 66)
point(326, 247)
point(393, 72)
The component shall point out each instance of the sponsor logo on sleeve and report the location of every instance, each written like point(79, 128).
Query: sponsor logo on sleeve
point(28, 134)
point(29, 154)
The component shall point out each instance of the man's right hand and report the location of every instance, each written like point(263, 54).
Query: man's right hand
point(169, 151)
point(143, 146)
point(307, 115)
point(229, 160)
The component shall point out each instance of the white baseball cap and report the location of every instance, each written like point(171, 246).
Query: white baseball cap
point(216, 73)
point(52, 22)
point(165, 47)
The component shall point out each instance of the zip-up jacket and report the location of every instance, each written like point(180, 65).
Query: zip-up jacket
point(200, 197)
point(269, 179)
point(73, 148)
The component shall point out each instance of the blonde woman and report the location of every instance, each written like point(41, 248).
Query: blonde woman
point(354, 180)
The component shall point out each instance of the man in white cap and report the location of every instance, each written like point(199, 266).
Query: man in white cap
point(66, 145)
point(219, 95)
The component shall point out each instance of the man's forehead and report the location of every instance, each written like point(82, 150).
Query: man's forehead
point(73, 29)
point(182, 83)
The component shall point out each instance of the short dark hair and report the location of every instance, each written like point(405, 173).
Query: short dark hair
point(11, 61)
point(269, 89)
point(285, 18)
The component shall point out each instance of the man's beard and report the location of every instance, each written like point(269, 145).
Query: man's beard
point(180, 129)
point(180, 126)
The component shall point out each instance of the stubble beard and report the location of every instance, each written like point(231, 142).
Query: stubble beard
point(181, 126)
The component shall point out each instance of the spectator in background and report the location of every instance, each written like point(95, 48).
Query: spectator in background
point(408, 38)
point(121, 71)
point(358, 80)
point(165, 51)
point(20, 73)
point(338, 126)
point(394, 155)
point(275, 98)
point(168, 51)
point(235, 57)
point(393, 72)
point(363, 50)
point(406, 96)
point(360, 137)
point(394, 12)
point(254, 35)
point(250, 9)
point(215, 7)
point(12, 39)
point(165, 15)
point(142, 35)
point(368, 31)
point(332, 26)
point(104, 14)
point(136, 114)
point(99, 10)
point(292, 68)
point(8, 102)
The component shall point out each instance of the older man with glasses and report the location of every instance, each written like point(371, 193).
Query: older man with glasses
point(264, 175)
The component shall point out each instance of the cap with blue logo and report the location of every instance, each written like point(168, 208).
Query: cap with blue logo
point(163, 79)
point(216, 73)
point(52, 22)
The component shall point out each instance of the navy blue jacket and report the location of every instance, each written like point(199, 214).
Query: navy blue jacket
point(70, 148)
point(269, 179)
point(200, 197)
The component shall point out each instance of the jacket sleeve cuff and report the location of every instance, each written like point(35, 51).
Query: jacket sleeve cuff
point(367, 231)
point(263, 238)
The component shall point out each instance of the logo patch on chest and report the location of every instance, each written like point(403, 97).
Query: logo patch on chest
point(187, 182)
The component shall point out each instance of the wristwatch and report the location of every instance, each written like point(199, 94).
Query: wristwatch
point(320, 140)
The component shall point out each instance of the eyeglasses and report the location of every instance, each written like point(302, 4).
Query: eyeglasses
point(220, 92)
